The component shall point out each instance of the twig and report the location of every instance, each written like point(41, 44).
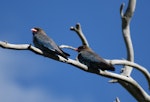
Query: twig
point(78, 30)
point(66, 46)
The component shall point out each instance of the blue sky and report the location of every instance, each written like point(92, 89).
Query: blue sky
point(27, 77)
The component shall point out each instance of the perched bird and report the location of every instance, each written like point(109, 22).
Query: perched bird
point(46, 44)
point(92, 60)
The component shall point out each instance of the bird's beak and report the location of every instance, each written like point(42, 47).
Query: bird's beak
point(76, 49)
point(33, 30)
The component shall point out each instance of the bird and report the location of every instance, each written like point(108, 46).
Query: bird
point(92, 60)
point(46, 44)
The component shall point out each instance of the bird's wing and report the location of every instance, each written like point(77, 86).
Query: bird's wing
point(46, 42)
point(90, 56)
point(93, 58)
point(86, 57)
point(100, 62)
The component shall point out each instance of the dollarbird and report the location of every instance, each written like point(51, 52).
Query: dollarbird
point(46, 44)
point(92, 60)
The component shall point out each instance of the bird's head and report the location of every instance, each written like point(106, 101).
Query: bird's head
point(37, 30)
point(82, 48)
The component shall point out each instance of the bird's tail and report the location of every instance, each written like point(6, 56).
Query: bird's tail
point(108, 67)
point(111, 68)
point(64, 54)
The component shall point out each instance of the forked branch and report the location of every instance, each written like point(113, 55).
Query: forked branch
point(78, 30)
point(126, 18)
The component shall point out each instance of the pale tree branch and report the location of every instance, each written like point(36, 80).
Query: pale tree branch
point(38, 51)
point(143, 70)
point(137, 92)
point(142, 95)
point(66, 46)
point(70, 61)
point(126, 18)
point(7, 45)
point(122, 62)
point(78, 30)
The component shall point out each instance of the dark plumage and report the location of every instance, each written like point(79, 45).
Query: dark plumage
point(46, 44)
point(92, 60)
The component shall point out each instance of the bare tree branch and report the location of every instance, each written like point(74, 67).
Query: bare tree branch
point(128, 80)
point(61, 59)
point(78, 30)
point(66, 46)
point(122, 62)
point(29, 47)
point(38, 51)
point(132, 64)
point(139, 94)
point(126, 18)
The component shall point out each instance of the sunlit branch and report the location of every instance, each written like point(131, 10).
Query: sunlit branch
point(66, 46)
point(126, 18)
point(78, 30)
point(144, 71)
point(61, 59)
